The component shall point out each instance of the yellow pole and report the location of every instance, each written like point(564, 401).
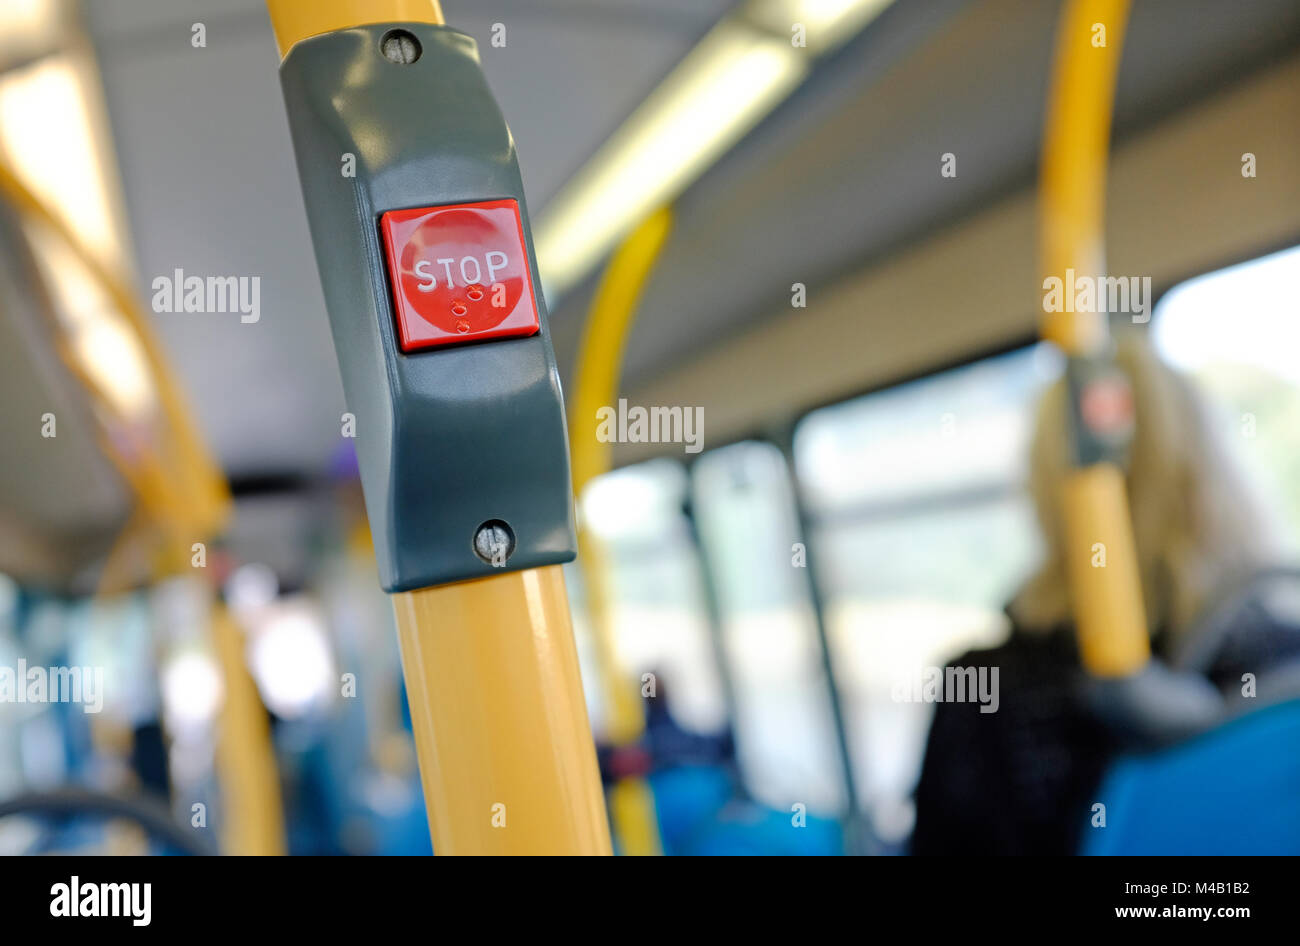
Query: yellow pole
point(252, 822)
point(1106, 598)
point(183, 494)
point(501, 730)
point(600, 358)
point(500, 723)
point(599, 365)
point(295, 20)
point(175, 478)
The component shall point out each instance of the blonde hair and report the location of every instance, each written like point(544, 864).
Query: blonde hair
point(1197, 522)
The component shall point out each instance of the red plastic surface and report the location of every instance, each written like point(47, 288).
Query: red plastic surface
point(459, 274)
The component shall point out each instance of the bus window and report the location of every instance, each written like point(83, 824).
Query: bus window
point(1236, 332)
point(784, 729)
point(657, 603)
point(922, 532)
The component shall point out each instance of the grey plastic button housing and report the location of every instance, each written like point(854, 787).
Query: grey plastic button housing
point(453, 437)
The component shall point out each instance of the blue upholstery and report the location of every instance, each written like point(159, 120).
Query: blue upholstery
point(1235, 790)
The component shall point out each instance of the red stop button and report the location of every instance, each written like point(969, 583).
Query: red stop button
point(459, 273)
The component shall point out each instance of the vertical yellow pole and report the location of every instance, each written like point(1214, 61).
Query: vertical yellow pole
point(252, 822)
point(501, 730)
point(500, 723)
point(1106, 600)
point(600, 362)
point(294, 20)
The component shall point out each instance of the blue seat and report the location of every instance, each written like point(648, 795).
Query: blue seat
point(700, 815)
point(1235, 790)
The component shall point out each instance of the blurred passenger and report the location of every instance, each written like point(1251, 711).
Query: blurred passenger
point(1020, 780)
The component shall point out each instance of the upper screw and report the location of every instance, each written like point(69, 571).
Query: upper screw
point(400, 46)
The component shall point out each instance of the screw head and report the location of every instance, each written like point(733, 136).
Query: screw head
point(494, 542)
point(400, 47)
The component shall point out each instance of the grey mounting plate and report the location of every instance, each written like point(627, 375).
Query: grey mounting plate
point(450, 438)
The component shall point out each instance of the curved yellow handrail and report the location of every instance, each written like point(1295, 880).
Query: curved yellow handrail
point(175, 478)
point(600, 361)
point(600, 355)
point(182, 494)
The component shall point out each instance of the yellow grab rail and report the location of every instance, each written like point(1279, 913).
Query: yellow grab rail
point(599, 366)
point(252, 819)
point(500, 724)
point(182, 494)
point(1105, 591)
point(501, 731)
point(294, 20)
point(175, 477)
